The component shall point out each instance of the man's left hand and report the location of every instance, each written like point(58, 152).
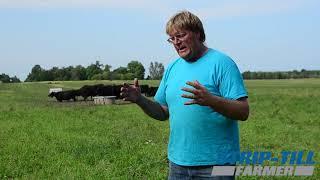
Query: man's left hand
point(199, 94)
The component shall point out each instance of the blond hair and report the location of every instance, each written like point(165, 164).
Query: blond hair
point(185, 20)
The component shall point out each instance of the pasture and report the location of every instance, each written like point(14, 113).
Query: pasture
point(41, 138)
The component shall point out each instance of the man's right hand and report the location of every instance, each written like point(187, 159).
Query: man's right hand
point(131, 92)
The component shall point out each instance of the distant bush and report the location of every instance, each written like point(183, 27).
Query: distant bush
point(4, 78)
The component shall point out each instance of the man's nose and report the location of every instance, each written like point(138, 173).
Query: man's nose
point(176, 41)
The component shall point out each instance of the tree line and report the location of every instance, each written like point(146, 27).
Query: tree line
point(134, 69)
point(295, 74)
point(96, 71)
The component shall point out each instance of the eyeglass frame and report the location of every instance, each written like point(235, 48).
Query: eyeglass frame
point(180, 37)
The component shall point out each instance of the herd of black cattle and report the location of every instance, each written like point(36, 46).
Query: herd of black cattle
point(98, 90)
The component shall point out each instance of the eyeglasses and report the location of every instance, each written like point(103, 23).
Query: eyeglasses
point(179, 37)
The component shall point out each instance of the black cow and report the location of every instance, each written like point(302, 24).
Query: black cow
point(109, 90)
point(89, 90)
point(106, 90)
point(117, 91)
point(152, 91)
point(64, 95)
point(144, 89)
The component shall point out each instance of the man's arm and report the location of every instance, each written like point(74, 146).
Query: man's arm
point(233, 109)
point(153, 109)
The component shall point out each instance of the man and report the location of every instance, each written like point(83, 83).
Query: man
point(203, 95)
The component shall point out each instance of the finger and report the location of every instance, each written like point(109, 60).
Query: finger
point(193, 84)
point(190, 102)
point(135, 82)
point(126, 85)
point(124, 94)
point(189, 96)
point(199, 84)
point(188, 90)
point(123, 89)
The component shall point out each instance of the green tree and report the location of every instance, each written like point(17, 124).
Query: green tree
point(65, 73)
point(4, 78)
point(94, 69)
point(78, 73)
point(97, 77)
point(156, 70)
point(54, 73)
point(119, 73)
point(106, 72)
point(129, 76)
point(136, 68)
point(245, 75)
point(36, 74)
point(120, 70)
point(14, 79)
point(107, 68)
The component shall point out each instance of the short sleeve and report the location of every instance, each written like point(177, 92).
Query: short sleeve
point(231, 85)
point(160, 96)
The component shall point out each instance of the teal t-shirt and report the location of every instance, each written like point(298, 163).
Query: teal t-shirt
point(198, 134)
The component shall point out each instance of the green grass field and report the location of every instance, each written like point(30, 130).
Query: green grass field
point(41, 138)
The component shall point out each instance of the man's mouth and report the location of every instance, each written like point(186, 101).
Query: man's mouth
point(182, 49)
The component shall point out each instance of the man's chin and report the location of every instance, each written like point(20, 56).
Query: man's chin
point(184, 56)
point(187, 58)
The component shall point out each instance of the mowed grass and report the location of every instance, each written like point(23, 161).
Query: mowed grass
point(41, 138)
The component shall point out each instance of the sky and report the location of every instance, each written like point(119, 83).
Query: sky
point(265, 35)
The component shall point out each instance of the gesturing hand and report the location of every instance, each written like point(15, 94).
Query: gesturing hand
point(199, 94)
point(131, 92)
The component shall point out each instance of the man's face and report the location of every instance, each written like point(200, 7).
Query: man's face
point(186, 43)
